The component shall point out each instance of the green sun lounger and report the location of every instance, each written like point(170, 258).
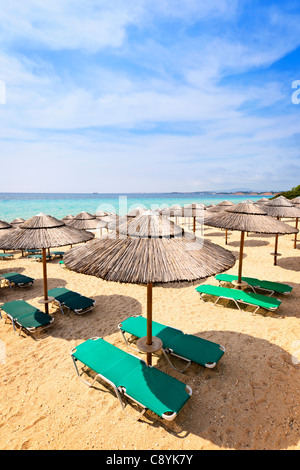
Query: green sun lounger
point(132, 377)
point(17, 279)
point(239, 296)
point(254, 284)
point(6, 255)
point(39, 257)
point(66, 298)
point(190, 348)
point(27, 317)
point(57, 254)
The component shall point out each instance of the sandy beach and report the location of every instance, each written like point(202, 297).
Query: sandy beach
point(250, 400)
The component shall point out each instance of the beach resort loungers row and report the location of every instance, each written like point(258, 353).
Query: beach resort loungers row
point(35, 255)
point(127, 374)
point(242, 297)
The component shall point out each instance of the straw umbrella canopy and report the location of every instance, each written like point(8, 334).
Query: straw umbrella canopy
point(136, 211)
point(263, 200)
point(67, 218)
point(6, 228)
point(248, 218)
point(221, 206)
point(282, 208)
point(85, 221)
point(149, 249)
point(16, 222)
point(194, 210)
point(295, 200)
point(43, 232)
point(173, 211)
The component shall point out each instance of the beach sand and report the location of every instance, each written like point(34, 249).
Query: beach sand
point(250, 400)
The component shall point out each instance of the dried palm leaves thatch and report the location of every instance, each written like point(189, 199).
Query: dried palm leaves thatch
point(43, 231)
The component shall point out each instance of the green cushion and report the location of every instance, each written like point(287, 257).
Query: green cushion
point(152, 388)
point(268, 285)
point(73, 300)
point(25, 314)
point(16, 308)
point(239, 295)
point(78, 302)
point(156, 390)
point(196, 349)
point(191, 347)
point(17, 278)
point(137, 326)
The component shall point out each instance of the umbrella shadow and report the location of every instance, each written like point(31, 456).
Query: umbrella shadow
point(17, 269)
point(237, 254)
point(239, 404)
point(101, 321)
point(217, 234)
point(291, 263)
point(249, 243)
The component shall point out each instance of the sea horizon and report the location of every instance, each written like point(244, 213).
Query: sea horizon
point(26, 205)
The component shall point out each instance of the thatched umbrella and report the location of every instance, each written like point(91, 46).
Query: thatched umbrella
point(263, 200)
point(67, 218)
point(282, 208)
point(296, 202)
point(221, 206)
point(173, 211)
point(149, 249)
point(5, 225)
point(6, 228)
point(247, 218)
point(16, 222)
point(43, 232)
point(136, 211)
point(84, 221)
point(194, 210)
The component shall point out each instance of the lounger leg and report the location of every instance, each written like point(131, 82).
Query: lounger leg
point(168, 351)
point(129, 345)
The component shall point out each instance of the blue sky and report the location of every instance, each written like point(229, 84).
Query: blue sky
point(149, 95)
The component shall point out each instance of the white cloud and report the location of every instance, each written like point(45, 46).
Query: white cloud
point(226, 127)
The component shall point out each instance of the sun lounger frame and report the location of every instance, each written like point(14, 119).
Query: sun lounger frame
point(13, 284)
point(29, 330)
point(253, 286)
point(119, 391)
point(272, 309)
point(78, 311)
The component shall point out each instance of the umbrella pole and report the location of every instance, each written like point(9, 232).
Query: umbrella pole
point(295, 240)
point(194, 224)
point(226, 236)
point(241, 258)
point(45, 280)
point(276, 248)
point(149, 321)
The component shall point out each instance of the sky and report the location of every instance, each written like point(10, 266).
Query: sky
point(115, 96)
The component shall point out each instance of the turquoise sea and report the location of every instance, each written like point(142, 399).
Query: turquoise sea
point(26, 205)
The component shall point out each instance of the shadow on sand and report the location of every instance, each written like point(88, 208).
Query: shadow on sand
point(249, 401)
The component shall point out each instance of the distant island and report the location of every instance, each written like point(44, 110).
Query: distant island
point(232, 193)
